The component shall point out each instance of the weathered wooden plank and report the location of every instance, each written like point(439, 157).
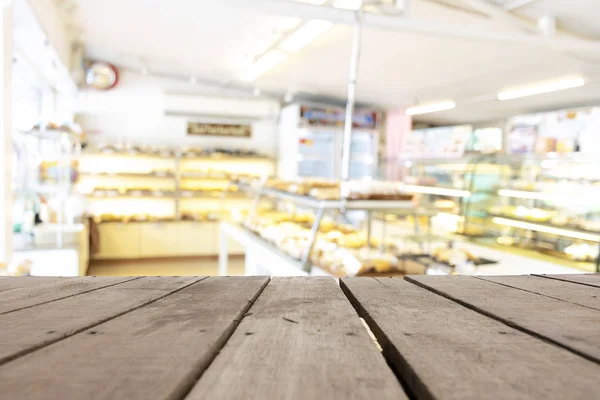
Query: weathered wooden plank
point(155, 352)
point(12, 300)
point(19, 282)
point(569, 325)
point(302, 341)
point(584, 279)
point(34, 327)
point(584, 295)
point(442, 350)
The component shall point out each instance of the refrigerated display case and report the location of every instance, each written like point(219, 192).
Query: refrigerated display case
point(311, 142)
point(546, 205)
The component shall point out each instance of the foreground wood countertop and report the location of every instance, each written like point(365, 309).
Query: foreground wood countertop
point(526, 337)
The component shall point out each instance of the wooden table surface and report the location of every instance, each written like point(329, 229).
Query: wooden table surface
point(527, 337)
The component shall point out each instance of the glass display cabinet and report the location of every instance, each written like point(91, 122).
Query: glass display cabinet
point(546, 204)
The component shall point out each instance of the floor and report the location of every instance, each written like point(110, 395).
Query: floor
point(188, 266)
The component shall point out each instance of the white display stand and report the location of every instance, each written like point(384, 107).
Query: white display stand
point(261, 257)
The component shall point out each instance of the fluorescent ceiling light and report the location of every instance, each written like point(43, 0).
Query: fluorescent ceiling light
point(437, 191)
point(541, 89)
point(305, 34)
point(347, 4)
point(546, 229)
point(262, 65)
point(429, 108)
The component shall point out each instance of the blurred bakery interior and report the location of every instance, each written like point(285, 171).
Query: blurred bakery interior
point(136, 157)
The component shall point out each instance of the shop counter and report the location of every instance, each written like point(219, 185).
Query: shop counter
point(426, 337)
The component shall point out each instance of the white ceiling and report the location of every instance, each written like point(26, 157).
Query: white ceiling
point(213, 39)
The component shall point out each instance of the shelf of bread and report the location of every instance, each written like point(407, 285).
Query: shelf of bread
point(548, 228)
point(163, 174)
point(112, 193)
point(559, 219)
point(202, 216)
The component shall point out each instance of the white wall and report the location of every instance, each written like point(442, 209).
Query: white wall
point(135, 112)
point(55, 29)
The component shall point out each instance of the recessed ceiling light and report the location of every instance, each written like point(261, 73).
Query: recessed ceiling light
point(541, 89)
point(429, 108)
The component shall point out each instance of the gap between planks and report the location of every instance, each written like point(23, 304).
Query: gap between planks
point(578, 279)
point(87, 327)
point(91, 353)
point(222, 341)
point(577, 299)
point(505, 321)
point(53, 283)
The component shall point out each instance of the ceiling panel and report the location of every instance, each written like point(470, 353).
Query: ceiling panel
point(214, 41)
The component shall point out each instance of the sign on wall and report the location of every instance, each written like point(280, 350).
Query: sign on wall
point(228, 130)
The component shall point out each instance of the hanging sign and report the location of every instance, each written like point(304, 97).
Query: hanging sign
point(228, 130)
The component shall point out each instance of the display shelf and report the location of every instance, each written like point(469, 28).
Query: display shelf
point(115, 153)
point(208, 194)
point(218, 157)
point(184, 179)
point(168, 175)
point(132, 196)
point(343, 204)
point(543, 227)
point(192, 176)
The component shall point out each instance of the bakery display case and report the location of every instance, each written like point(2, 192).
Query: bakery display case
point(552, 206)
point(545, 205)
point(309, 226)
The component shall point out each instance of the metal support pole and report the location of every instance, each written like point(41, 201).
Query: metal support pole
point(369, 223)
point(347, 139)
point(223, 251)
point(383, 246)
point(598, 262)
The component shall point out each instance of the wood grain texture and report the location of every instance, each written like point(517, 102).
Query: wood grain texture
point(303, 340)
point(443, 350)
point(31, 328)
point(155, 352)
point(569, 325)
point(588, 296)
point(12, 300)
point(584, 279)
point(20, 282)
